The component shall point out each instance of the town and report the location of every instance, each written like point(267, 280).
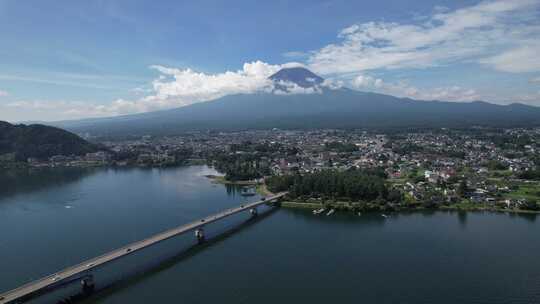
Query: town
point(463, 168)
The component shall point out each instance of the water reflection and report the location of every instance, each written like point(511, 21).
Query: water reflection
point(20, 181)
point(421, 255)
point(462, 217)
point(529, 217)
point(235, 190)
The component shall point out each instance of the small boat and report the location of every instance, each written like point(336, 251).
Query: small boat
point(359, 214)
point(318, 211)
point(330, 212)
point(384, 215)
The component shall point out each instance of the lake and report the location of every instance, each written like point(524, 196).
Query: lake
point(52, 219)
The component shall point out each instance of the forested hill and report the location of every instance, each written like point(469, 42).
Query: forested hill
point(39, 141)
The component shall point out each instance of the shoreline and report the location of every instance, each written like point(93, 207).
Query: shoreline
point(98, 164)
point(218, 179)
point(347, 208)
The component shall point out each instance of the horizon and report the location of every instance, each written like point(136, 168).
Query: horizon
point(69, 61)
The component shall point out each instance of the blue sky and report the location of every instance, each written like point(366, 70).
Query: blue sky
point(73, 59)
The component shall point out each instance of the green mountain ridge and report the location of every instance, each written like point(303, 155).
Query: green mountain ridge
point(40, 141)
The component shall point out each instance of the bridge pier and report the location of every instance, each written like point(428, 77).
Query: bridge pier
point(87, 284)
point(253, 212)
point(81, 272)
point(199, 234)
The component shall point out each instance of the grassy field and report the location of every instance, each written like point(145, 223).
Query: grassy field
point(529, 191)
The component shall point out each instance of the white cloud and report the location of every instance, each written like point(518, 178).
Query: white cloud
point(290, 88)
point(366, 81)
point(177, 88)
point(36, 105)
point(485, 30)
point(517, 60)
point(66, 110)
point(73, 80)
point(535, 80)
point(403, 89)
point(332, 84)
point(182, 87)
point(528, 98)
point(3, 93)
point(141, 91)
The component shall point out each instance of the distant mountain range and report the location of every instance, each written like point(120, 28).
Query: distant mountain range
point(39, 141)
point(331, 108)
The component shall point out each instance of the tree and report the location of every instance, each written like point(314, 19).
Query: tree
point(529, 205)
point(352, 184)
point(395, 196)
point(496, 165)
point(530, 175)
point(419, 179)
point(462, 189)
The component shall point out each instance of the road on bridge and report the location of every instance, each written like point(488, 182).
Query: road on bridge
point(39, 285)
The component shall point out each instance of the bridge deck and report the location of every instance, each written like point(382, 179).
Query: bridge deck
point(53, 279)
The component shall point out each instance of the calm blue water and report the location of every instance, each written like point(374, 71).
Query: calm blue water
point(51, 220)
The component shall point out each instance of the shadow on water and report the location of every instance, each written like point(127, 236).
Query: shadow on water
point(530, 217)
point(184, 255)
point(32, 180)
point(462, 217)
point(235, 190)
point(29, 180)
point(429, 212)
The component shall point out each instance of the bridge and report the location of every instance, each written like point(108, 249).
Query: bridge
point(40, 286)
